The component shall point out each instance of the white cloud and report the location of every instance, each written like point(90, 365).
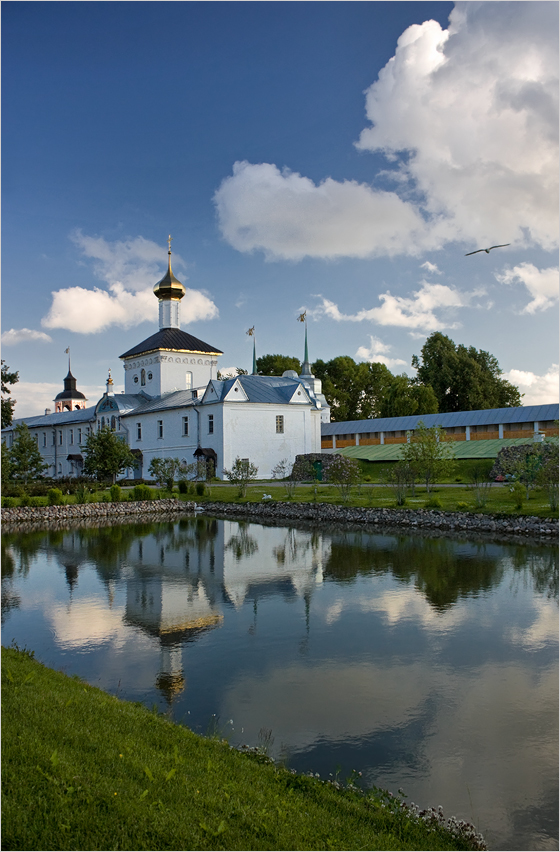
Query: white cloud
point(376, 353)
point(542, 284)
point(475, 108)
point(430, 267)
point(24, 335)
point(466, 118)
point(415, 312)
point(538, 390)
point(32, 398)
point(130, 269)
point(287, 216)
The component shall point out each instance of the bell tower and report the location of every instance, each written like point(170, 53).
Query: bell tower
point(169, 292)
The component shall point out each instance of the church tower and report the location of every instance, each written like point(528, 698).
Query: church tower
point(70, 399)
point(170, 360)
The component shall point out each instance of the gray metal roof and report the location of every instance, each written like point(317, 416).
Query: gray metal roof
point(176, 399)
point(58, 418)
point(277, 390)
point(488, 416)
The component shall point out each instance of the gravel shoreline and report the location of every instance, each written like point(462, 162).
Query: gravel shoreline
point(413, 519)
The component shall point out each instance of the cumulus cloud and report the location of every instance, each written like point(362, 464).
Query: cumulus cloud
point(32, 398)
point(24, 335)
point(129, 268)
point(427, 309)
point(288, 216)
point(377, 353)
point(542, 284)
point(467, 119)
point(430, 267)
point(537, 390)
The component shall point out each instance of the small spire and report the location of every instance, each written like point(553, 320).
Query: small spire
point(306, 366)
point(251, 333)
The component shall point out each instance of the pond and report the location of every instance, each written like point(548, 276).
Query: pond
point(424, 663)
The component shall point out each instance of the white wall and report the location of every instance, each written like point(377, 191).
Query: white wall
point(168, 372)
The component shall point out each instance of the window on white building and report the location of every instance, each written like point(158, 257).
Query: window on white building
point(60, 436)
point(113, 422)
point(185, 427)
point(188, 380)
point(160, 428)
point(44, 439)
point(210, 424)
point(71, 436)
point(138, 431)
point(79, 436)
point(142, 377)
point(279, 424)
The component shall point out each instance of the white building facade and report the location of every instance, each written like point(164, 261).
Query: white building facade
point(174, 406)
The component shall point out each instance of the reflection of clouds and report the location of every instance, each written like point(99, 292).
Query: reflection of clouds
point(88, 622)
point(398, 605)
point(302, 704)
point(543, 631)
point(495, 745)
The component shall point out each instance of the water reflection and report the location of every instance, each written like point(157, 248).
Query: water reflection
point(428, 663)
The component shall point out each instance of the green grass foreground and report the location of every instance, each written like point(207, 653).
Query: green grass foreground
point(84, 770)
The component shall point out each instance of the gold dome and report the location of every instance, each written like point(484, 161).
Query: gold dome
point(169, 287)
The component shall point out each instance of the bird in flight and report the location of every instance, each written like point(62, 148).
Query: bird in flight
point(488, 250)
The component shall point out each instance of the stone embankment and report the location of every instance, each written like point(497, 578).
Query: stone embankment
point(411, 518)
point(77, 511)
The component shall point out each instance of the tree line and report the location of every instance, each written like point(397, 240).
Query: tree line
point(449, 377)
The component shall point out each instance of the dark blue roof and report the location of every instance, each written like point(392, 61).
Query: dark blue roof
point(485, 417)
point(172, 339)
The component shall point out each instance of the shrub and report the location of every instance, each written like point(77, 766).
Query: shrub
point(462, 507)
point(9, 502)
point(116, 493)
point(82, 493)
point(54, 497)
point(433, 503)
point(36, 501)
point(142, 492)
point(25, 500)
point(200, 488)
point(183, 486)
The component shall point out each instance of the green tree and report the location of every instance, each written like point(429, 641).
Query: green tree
point(429, 454)
point(8, 379)
point(405, 397)
point(354, 391)
point(241, 474)
point(107, 455)
point(463, 378)
point(6, 469)
point(275, 365)
point(166, 470)
point(344, 473)
point(25, 457)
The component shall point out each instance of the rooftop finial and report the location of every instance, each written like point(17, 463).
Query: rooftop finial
point(305, 367)
point(169, 238)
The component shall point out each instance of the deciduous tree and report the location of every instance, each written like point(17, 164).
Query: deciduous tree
point(405, 397)
point(8, 379)
point(463, 378)
point(354, 391)
point(25, 457)
point(107, 455)
point(429, 453)
point(241, 474)
point(275, 365)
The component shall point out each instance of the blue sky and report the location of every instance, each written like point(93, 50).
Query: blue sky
point(338, 157)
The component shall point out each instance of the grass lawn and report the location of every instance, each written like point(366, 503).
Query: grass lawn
point(84, 770)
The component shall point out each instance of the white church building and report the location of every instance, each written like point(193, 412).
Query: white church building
point(174, 405)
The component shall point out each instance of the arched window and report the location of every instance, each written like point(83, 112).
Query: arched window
point(142, 377)
point(102, 422)
point(188, 380)
point(113, 422)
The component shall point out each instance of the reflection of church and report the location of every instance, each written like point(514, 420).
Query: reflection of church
point(173, 404)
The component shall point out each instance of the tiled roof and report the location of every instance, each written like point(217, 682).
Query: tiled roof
point(488, 416)
point(172, 339)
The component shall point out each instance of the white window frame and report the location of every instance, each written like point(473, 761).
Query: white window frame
point(160, 429)
point(210, 424)
point(185, 427)
point(279, 424)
